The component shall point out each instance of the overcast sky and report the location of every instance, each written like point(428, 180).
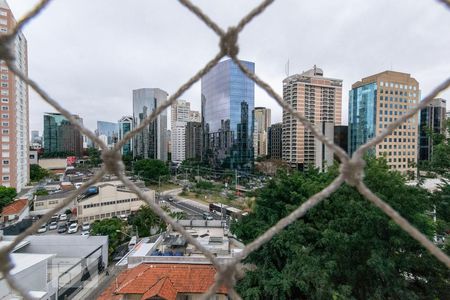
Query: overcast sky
point(91, 54)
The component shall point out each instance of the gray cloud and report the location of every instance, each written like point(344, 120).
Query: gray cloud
point(89, 55)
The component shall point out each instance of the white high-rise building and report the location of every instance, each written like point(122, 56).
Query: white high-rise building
point(181, 114)
point(14, 110)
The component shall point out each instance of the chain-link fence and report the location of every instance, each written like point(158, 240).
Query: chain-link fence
point(351, 168)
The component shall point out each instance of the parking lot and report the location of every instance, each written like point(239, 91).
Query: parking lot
point(63, 226)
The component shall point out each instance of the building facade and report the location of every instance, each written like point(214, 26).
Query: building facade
point(180, 112)
point(108, 129)
point(125, 126)
point(432, 121)
point(195, 116)
point(150, 142)
point(193, 145)
point(262, 124)
point(14, 109)
point(319, 99)
point(275, 142)
point(60, 136)
point(375, 102)
point(227, 118)
point(341, 137)
point(108, 200)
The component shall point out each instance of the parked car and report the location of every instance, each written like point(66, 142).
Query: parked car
point(53, 225)
point(42, 229)
point(62, 228)
point(73, 228)
point(55, 218)
point(63, 217)
point(85, 232)
point(86, 226)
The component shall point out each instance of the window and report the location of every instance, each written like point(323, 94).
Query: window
point(5, 92)
point(4, 77)
point(5, 138)
point(5, 131)
point(4, 107)
point(5, 100)
point(5, 124)
point(3, 13)
point(4, 84)
point(5, 178)
point(6, 162)
point(5, 116)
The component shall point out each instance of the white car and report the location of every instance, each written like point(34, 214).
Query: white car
point(73, 228)
point(86, 226)
point(53, 225)
point(85, 232)
point(42, 229)
point(63, 217)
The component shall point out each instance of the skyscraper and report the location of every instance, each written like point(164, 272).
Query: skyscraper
point(150, 142)
point(60, 136)
point(319, 99)
point(193, 149)
point(262, 124)
point(275, 148)
point(14, 107)
point(227, 118)
point(375, 102)
point(109, 130)
point(125, 126)
point(432, 121)
point(180, 112)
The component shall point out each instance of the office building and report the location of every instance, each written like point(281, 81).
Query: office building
point(341, 136)
point(319, 99)
point(432, 121)
point(375, 102)
point(180, 112)
point(275, 143)
point(150, 142)
point(193, 145)
point(262, 124)
point(14, 107)
point(60, 136)
point(125, 126)
point(227, 118)
point(323, 154)
point(109, 130)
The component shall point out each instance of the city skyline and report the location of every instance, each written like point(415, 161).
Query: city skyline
point(49, 68)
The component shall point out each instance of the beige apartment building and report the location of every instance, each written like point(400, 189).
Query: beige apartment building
point(262, 124)
point(375, 102)
point(319, 99)
point(14, 171)
point(109, 200)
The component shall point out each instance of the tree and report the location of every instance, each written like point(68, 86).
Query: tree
point(7, 195)
point(41, 192)
point(112, 228)
point(94, 156)
point(152, 170)
point(345, 248)
point(145, 219)
point(38, 173)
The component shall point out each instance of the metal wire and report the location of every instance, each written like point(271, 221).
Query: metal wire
point(351, 170)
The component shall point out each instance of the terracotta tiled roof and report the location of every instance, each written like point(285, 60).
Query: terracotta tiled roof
point(163, 280)
point(15, 208)
point(162, 289)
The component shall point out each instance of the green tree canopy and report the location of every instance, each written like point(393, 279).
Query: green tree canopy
point(345, 248)
point(151, 169)
point(145, 219)
point(38, 173)
point(7, 195)
point(110, 227)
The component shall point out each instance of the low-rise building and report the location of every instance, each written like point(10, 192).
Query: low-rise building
point(164, 281)
point(44, 203)
point(15, 212)
point(106, 200)
point(54, 266)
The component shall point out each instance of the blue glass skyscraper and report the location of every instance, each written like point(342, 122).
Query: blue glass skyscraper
point(228, 101)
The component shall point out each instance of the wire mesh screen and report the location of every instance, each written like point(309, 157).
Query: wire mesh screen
point(351, 168)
